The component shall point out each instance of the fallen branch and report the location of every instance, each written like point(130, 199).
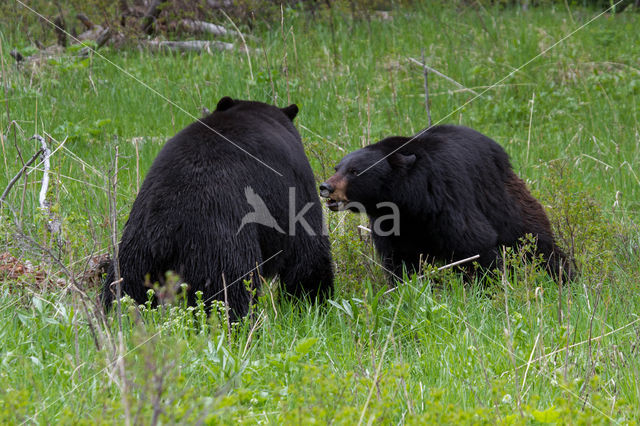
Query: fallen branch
point(213, 4)
point(188, 46)
point(45, 176)
point(85, 21)
point(459, 262)
point(432, 70)
point(20, 173)
point(194, 26)
point(99, 34)
point(426, 90)
point(53, 224)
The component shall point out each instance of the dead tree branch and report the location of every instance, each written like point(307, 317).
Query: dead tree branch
point(188, 46)
point(17, 176)
point(426, 90)
point(435, 71)
point(196, 27)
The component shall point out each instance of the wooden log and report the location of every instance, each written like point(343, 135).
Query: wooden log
point(188, 46)
point(196, 27)
point(85, 20)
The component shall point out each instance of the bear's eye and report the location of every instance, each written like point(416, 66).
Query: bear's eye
point(353, 172)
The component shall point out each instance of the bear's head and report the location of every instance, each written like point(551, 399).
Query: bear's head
point(366, 177)
point(227, 103)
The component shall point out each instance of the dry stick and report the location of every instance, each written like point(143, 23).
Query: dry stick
point(524, 378)
point(42, 199)
point(244, 42)
point(53, 224)
point(426, 89)
point(226, 308)
point(257, 324)
point(274, 96)
point(5, 86)
point(435, 71)
point(26, 176)
point(368, 118)
point(284, 59)
point(113, 187)
point(17, 176)
point(137, 166)
point(533, 99)
point(333, 34)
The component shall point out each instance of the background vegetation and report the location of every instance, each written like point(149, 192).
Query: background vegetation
point(558, 87)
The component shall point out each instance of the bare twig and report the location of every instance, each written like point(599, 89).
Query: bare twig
point(256, 325)
point(5, 86)
point(42, 199)
point(533, 99)
point(426, 89)
point(244, 42)
point(113, 216)
point(459, 262)
point(435, 71)
point(284, 56)
point(524, 378)
point(226, 308)
point(17, 176)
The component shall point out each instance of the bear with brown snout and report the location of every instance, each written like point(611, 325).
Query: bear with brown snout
point(446, 194)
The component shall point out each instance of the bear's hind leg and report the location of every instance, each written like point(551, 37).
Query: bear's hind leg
point(308, 271)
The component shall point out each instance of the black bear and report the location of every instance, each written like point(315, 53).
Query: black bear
point(446, 194)
point(229, 198)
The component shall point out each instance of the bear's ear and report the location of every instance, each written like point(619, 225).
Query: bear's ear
point(224, 104)
point(291, 111)
point(398, 160)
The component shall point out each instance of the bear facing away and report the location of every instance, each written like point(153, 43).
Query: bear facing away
point(229, 198)
point(456, 196)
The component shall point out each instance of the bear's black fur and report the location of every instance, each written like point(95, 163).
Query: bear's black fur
point(456, 194)
point(193, 201)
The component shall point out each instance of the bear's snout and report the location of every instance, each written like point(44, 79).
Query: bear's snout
point(326, 189)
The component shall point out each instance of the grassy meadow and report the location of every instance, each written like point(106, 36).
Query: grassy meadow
point(558, 88)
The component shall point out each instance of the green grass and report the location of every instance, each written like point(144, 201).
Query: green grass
point(432, 351)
